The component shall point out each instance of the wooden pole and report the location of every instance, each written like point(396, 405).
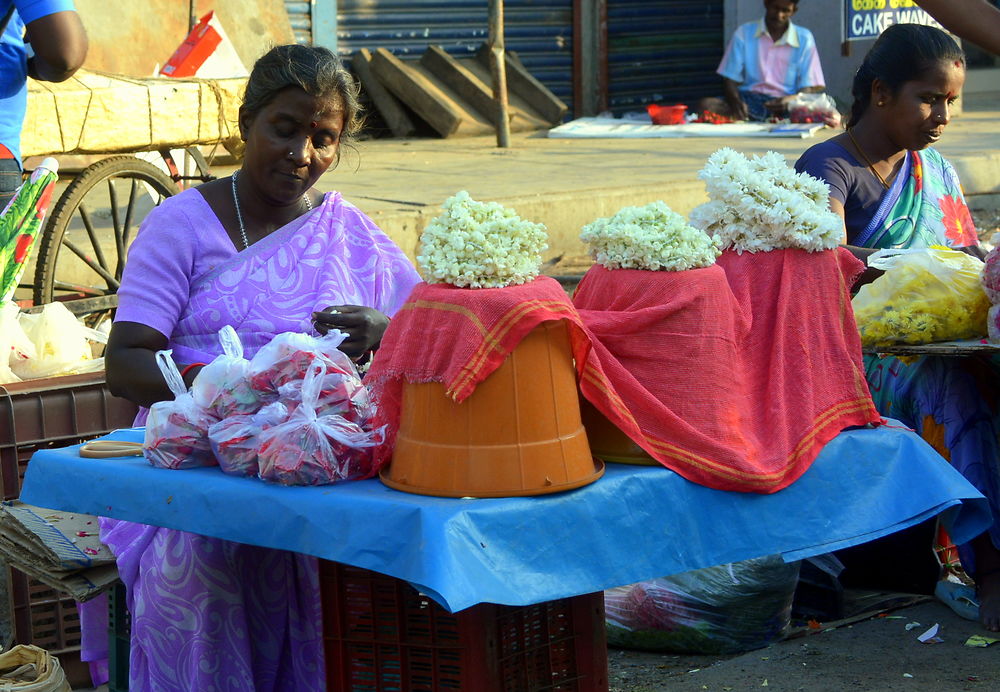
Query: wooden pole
point(498, 70)
point(192, 13)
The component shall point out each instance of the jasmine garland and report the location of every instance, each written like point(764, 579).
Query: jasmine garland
point(480, 245)
point(760, 203)
point(651, 237)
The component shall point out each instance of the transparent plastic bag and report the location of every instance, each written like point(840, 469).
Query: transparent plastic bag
point(15, 346)
point(223, 386)
point(312, 449)
point(730, 608)
point(925, 295)
point(289, 355)
point(235, 441)
point(991, 285)
point(814, 108)
point(177, 431)
point(340, 393)
point(991, 271)
point(61, 344)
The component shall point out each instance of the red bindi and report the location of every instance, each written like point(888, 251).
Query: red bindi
point(313, 124)
point(958, 63)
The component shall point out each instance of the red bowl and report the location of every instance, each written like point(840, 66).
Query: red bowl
point(667, 115)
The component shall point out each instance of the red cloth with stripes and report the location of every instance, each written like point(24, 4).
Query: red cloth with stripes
point(736, 375)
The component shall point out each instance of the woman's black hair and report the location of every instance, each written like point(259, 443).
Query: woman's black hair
point(901, 54)
point(314, 69)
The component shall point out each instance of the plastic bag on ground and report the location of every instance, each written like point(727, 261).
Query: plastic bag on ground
point(61, 343)
point(925, 295)
point(725, 609)
point(288, 356)
point(29, 668)
point(235, 441)
point(223, 386)
point(313, 449)
point(177, 431)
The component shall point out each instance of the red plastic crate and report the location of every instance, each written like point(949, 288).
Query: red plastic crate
point(382, 635)
point(53, 412)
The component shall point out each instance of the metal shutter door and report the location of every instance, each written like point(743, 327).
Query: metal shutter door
point(663, 51)
point(300, 16)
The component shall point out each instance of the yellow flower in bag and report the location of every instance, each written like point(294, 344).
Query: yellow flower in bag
point(925, 295)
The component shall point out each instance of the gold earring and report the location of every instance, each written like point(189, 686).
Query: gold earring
point(881, 103)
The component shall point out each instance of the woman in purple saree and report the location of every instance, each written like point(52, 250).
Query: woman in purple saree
point(262, 252)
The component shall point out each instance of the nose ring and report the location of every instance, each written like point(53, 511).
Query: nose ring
point(291, 154)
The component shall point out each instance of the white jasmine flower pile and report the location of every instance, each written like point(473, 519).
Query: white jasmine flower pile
point(652, 237)
point(762, 204)
point(480, 245)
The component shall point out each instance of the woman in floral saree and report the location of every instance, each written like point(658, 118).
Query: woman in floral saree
point(265, 253)
point(895, 192)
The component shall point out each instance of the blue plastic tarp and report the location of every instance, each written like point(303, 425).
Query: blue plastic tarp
point(635, 523)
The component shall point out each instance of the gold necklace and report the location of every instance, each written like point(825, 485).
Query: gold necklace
point(871, 166)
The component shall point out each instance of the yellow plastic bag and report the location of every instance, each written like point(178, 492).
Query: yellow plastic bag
point(926, 295)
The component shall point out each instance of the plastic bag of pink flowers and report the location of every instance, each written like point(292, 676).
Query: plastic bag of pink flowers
point(223, 386)
point(289, 355)
point(314, 449)
point(235, 440)
point(177, 431)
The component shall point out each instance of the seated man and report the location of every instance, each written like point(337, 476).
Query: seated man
point(765, 64)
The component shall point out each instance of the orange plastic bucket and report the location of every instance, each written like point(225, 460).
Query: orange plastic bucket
point(518, 433)
point(667, 115)
point(608, 442)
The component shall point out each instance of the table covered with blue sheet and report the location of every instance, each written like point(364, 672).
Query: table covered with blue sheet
point(635, 523)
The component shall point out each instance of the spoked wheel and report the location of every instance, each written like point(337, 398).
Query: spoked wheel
point(186, 167)
point(83, 246)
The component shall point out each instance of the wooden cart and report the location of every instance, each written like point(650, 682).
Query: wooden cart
point(146, 135)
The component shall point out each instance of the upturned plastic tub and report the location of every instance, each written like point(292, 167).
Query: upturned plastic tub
point(519, 432)
point(608, 442)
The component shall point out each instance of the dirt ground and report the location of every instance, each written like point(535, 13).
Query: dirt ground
point(878, 655)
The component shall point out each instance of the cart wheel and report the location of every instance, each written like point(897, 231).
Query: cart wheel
point(83, 246)
point(186, 167)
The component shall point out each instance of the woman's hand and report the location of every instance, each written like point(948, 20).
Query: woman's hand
point(364, 327)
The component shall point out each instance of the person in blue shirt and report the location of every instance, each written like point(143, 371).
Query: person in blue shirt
point(43, 39)
point(765, 64)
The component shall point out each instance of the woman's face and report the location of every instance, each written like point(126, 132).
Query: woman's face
point(915, 116)
point(291, 142)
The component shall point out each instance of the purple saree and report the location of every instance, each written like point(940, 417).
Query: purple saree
point(209, 614)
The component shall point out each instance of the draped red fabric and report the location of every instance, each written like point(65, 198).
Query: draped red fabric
point(734, 376)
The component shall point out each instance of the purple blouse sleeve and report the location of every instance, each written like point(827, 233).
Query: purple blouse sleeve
point(820, 162)
point(157, 276)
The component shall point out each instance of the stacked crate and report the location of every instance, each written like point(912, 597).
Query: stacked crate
point(42, 414)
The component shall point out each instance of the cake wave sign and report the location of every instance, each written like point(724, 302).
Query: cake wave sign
point(866, 19)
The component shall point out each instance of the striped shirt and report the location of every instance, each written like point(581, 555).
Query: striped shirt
point(775, 68)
